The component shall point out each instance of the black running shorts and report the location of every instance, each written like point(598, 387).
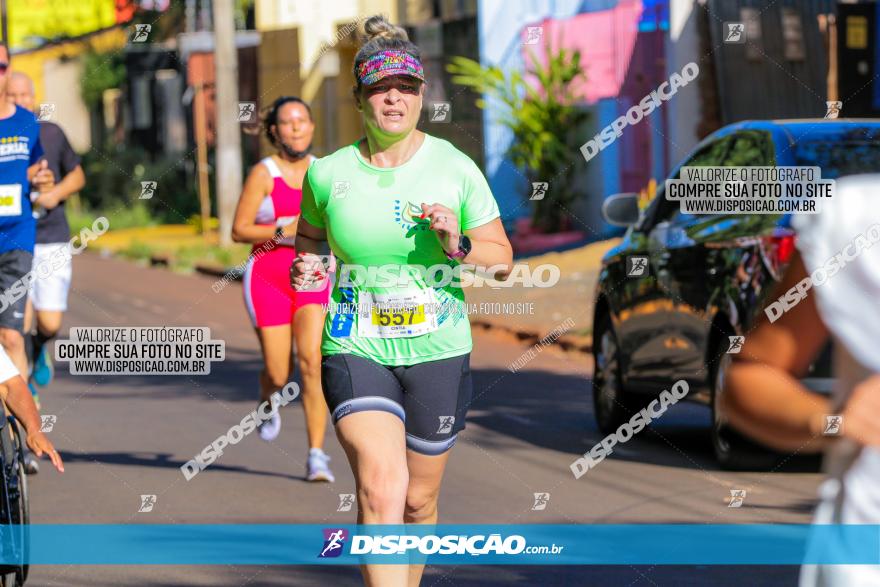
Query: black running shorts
point(431, 398)
point(14, 269)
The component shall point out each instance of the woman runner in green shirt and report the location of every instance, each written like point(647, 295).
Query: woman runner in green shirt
point(395, 367)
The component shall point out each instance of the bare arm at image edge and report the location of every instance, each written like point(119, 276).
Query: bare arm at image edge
point(18, 400)
point(763, 397)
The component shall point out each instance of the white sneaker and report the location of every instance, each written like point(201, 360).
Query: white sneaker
point(270, 428)
point(317, 469)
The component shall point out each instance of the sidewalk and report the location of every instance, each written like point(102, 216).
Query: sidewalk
point(532, 313)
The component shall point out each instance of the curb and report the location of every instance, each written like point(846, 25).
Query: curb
point(235, 273)
point(215, 270)
point(160, 260)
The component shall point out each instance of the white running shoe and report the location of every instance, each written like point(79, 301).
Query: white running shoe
point(270, 428)
point(317, 469)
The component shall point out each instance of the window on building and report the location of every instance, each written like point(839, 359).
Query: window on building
point(751, 18)
point(793, 35)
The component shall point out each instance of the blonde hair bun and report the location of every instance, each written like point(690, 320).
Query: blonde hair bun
point(378, 27)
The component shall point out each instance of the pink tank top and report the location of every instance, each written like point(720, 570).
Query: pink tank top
point(282, 205)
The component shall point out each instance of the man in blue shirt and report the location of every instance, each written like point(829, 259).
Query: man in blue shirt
point(20, 165)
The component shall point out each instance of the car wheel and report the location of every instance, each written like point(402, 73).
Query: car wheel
point(733, 451)
point(611, 403)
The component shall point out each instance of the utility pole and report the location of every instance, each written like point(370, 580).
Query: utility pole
point(201, 124)
point(190, 16)
point(5, 25)
point(832, 79)
point(228, 153)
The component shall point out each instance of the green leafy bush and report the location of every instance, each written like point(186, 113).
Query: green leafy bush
point(101, 71)
point(113, 181)
point(544, 119)
point(120, 217)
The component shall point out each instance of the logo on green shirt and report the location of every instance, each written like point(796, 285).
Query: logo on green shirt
point(407, 215)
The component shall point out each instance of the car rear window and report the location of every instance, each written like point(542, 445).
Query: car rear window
point(840, 157)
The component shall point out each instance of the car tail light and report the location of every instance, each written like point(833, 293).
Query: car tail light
point(784, 247)
point(777, 251)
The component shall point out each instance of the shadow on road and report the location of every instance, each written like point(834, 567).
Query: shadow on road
point(555, 411)
point(161, 460)
point(544, 408)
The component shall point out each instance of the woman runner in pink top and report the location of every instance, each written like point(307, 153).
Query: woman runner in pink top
point(267, 216)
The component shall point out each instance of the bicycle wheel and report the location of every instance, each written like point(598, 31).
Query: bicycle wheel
point(24, 501)
point(13, 502)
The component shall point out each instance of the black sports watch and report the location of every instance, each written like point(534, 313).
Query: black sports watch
point(464, 248)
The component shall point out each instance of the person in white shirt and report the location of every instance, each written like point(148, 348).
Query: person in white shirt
point(763, 396)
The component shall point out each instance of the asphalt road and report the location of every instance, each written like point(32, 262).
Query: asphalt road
point(124, 436)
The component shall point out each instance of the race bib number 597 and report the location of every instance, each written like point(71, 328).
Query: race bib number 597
point(10, 200)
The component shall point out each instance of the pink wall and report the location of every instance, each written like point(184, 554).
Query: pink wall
point(606, 40)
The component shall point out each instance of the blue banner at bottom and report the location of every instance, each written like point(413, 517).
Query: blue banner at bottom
point(454, 544)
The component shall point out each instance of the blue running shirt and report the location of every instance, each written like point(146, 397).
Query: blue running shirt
point(19, 149)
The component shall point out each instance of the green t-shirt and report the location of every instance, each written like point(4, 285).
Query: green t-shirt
point(371, 218)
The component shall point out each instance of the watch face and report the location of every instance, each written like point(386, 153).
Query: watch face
point(464, 245)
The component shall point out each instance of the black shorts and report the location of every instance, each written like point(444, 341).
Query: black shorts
point(14, 265)
point(431, 398)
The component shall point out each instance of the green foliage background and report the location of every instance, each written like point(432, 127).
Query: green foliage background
point(543, 118)
point(101, 71)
